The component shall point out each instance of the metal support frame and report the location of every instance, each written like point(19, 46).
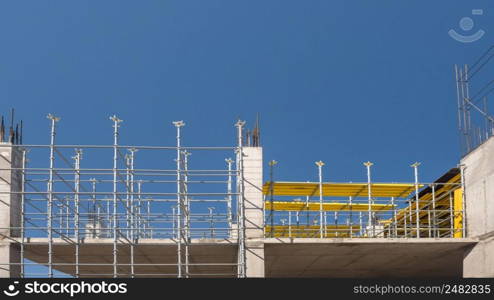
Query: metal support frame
point(241, 269)
point(371, 224)
point(116, 122)
point(77, 185)
point(229, 197)
point(53, 121)
point(180, 202)
point(23, 210)
point(271, 163)
point(417, 199)
point(319, 165)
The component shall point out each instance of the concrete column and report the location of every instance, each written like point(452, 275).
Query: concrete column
point(254, 212)
point(478, 261)
point(10, 210)
point(479, 204)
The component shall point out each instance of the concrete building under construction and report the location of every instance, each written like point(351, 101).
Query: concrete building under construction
point(95, 211)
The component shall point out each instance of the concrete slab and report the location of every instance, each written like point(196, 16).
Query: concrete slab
point(152, 258)
point(283, 257)
point(365, 257)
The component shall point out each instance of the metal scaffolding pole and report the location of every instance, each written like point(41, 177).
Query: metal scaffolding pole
point(148, 216)
point(211, 222)
point(289, 224)
point(127, 194)
point(463, 203)
point(93, 212)
point(132, 212)
point(23, 211)
point(178, 125)
point(140, 221)
point(272, 163)
point(370, 201)
point(319, 165)
point(417, 204)
point(116, 125)
point(77, 165)
point(395, 221)
point(241, 269)
point(360, 222)
point(451, 215)
point(434, 215)
point(53, 120)
point(350, 219)
point(405, 225)
point(186, 209)
point(229, 162)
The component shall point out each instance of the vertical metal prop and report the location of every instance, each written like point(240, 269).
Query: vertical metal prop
point(53, 120)
point(272, 163)
point(434, 213)
point(241, 271)
point(179, 125)
point(229, 162)
point(23, 211)
point(319, 165)
point(370, 201)
point(463, 202)
point(417, 204)
point(116, 125)
point(77, 186)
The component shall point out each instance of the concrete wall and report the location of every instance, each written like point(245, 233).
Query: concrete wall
point(254, 218)
point(10, 208)
point(478, 261)
point(10, 181)
point(479, 202)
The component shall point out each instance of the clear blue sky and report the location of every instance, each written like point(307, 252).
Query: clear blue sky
point(344, 81)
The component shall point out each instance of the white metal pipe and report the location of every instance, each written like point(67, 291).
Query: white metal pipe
point(370, 220)
point(178, 125)
point(116, 125)
point(319, 165)
point(54, 120)
point(417, 204)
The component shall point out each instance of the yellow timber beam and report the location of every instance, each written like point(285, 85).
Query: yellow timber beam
point(397, 190)
point(326, 206)
point(304, 231)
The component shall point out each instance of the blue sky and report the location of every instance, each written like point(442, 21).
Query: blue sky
point(339, 81)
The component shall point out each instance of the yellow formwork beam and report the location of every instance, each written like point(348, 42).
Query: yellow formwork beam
point(306, 231)
point(389, 190)
point(326, 206)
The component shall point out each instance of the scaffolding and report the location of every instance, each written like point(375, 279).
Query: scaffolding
point(167, 211)
point(75, 203)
